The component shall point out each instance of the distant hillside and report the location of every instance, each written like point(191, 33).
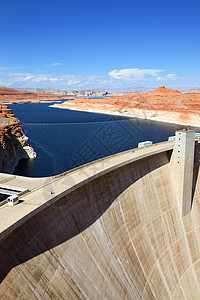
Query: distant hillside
point(189, 89)
point(130, 90)
point(73, 93)
point(46, 90)
point(8, 95)
point(163, 104)
point(106, 92)
point(164, 91)
point(135, 90)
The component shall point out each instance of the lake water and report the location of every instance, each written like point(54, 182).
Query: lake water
point(64, 139)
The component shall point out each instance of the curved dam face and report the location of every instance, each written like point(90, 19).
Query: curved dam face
point(119, 236)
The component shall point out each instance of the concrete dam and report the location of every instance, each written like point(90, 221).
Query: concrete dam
point(124, 227)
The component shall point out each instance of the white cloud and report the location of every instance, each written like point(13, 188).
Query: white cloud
point(171, 75)
point(129, 74)
point(11, 68)
point(53, 64)
point(24, 79)
point(53, 79)
point(160, 78)
point(40, 78)
point(28, 78)
point(73, 82)
point(115, 79)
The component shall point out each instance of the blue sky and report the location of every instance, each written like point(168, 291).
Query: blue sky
point(99, 44)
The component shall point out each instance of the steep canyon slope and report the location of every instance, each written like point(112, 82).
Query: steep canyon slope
point(14, 145)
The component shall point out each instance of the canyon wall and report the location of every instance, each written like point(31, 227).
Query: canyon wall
point(14, 145)
point(163, 104)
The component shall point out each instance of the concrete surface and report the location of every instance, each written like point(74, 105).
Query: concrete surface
point(110, 230)
point(183, 163)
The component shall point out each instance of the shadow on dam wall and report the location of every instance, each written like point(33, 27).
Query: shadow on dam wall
point(120, 236)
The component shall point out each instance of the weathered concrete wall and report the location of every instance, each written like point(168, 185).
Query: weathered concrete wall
point(120, 236)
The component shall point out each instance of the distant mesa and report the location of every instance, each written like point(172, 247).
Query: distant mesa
point(162, 90)
point(8, 95)
point(162, 104)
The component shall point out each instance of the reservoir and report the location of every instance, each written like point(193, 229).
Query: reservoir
point(64, 139)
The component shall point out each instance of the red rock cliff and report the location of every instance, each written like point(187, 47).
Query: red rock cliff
point(14, 145)
point(162, 105)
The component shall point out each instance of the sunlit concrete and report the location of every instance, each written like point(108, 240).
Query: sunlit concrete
point(183, 164)
point(109, 230)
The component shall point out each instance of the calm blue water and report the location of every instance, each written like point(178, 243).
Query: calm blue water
point(82, 138)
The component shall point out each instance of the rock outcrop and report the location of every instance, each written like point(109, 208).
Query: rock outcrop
point(162, 90)
point(160, 105)
point(14, 145)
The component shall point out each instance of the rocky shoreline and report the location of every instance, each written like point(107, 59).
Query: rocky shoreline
point(14, 144)
point(163, 105)
point(162, 116)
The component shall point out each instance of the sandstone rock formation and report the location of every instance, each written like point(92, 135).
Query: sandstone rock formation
point(134, 90)
point(105, 92)
point(14, 145)
point(162, 90)
point(10, 95)
point(161, 105)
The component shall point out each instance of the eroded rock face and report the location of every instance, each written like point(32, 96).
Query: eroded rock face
point(162, 105)
point(14, 145)
point(162, 90)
